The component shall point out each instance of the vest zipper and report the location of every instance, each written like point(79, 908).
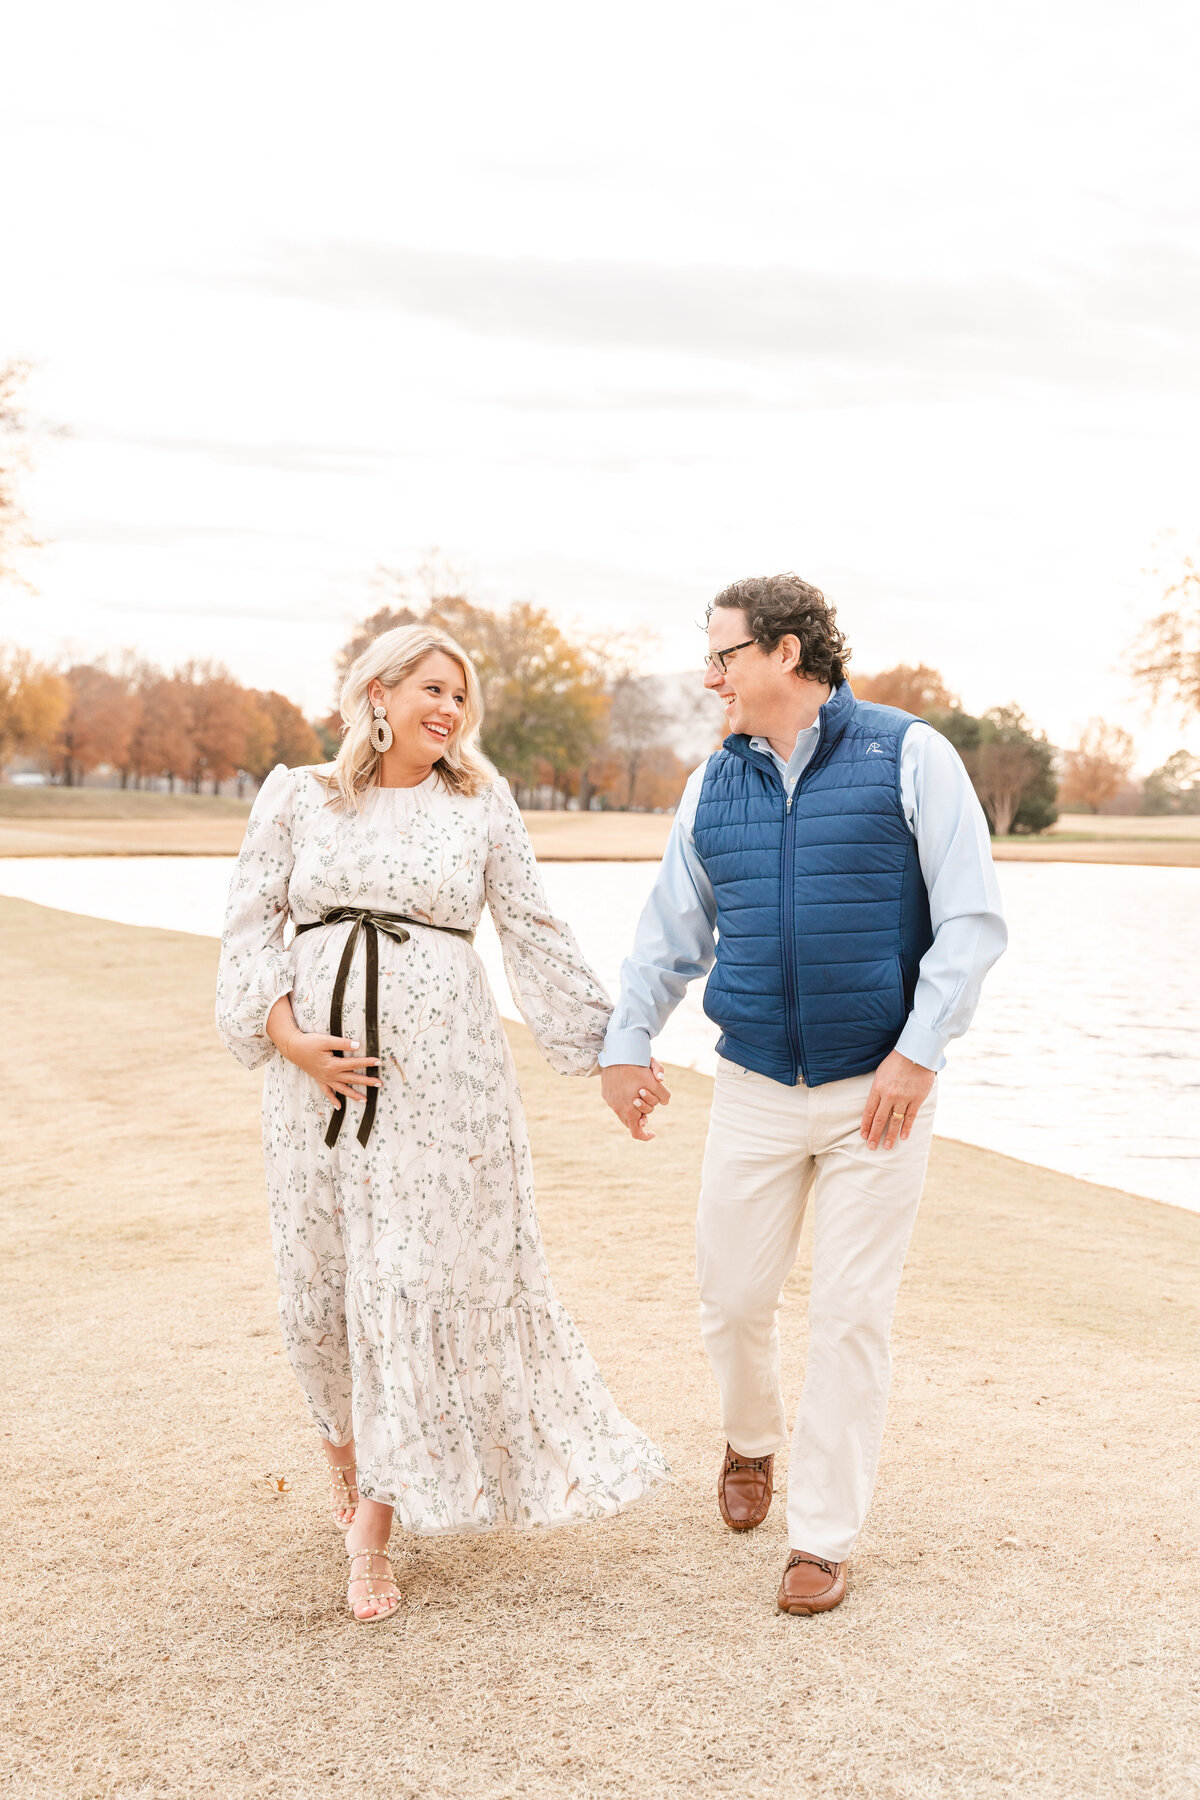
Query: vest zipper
point(791, 1009)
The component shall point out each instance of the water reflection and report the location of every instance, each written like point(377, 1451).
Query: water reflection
point(1084, 1055)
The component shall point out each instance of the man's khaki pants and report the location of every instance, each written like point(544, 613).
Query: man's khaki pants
point(769, 1147)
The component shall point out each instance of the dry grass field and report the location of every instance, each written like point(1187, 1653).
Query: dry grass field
point(1135, 828)
point(109, 822)
point(85, 805)
point(1024, 1609)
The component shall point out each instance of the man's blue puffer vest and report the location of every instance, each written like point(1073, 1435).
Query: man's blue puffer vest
point(822, 912)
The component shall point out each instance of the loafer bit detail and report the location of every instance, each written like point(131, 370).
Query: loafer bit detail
point(744, 1489)
point(811, 1584)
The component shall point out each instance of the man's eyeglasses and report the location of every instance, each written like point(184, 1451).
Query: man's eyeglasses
point(715, 659)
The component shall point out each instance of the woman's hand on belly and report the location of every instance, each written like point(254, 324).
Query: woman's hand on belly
point(317, 1054)
point(330, 1061)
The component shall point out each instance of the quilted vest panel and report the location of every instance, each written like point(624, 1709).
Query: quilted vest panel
point(822, 911)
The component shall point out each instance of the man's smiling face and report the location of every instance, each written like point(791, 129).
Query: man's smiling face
point(752, 684)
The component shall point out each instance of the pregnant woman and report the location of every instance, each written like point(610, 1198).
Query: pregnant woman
point(447, 1383)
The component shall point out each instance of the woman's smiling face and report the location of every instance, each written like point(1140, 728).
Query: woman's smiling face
point(425, 709)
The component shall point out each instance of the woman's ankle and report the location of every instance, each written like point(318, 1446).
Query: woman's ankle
point(339, 1455)
point(371, 1528)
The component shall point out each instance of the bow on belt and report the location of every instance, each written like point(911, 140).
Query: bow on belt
point(370, 923)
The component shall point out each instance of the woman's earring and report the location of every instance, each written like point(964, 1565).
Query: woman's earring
point(381, 731)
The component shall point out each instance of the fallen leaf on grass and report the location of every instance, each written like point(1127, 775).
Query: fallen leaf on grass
point(274, 1486)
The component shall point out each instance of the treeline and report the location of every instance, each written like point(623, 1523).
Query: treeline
point(568, 721)
point(1021, 779)
point(194, 726)
point(1011, 765)
point(563, 723)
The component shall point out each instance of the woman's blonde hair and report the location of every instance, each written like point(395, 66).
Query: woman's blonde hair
point(393, 655)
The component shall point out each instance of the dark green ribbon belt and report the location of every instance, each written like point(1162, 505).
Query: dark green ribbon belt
point(370, 923)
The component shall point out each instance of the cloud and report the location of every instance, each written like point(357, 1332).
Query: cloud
point(1132, 325)
point(301, 459)
point(148, 536)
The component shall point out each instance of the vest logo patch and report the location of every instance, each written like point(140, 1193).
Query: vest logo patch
point(877, 748)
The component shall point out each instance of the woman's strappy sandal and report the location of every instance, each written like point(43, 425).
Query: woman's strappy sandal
point(372, 1592)
point(345, 1493)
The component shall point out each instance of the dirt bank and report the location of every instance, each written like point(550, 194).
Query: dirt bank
point(1024, 1614)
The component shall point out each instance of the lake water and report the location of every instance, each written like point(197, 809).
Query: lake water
point(1084, 1055)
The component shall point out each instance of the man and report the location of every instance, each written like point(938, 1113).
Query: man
point(833, 862)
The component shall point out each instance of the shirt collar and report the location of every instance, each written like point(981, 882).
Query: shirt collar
point(762, 745)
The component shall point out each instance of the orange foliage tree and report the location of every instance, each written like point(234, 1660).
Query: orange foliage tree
point(195, 725)
point(217, 711)
point(661, 779)
point(1097, 768)
point(161, 743)
point(913, 688)
point(33, 705)
point(277, 732)
point(98, 723)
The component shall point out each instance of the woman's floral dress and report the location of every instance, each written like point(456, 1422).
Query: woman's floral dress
point(417, 1308)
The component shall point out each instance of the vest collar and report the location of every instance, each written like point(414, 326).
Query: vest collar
point(833, 717)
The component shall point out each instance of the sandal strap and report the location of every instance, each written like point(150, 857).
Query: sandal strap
point(368, 1579)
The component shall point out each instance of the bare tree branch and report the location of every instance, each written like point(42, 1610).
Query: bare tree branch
point(16, 537)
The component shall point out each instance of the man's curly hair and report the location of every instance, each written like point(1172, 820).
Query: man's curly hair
point(779, 606)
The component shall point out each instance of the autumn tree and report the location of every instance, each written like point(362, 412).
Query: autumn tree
point(662, 777)
point(1098, 767)
point(1166, 658)
point(1174, 787)
point(1007, 763)
point(385, 618)
point(989, 748)
point(33, 705)
point(98, 722)
point(635, 725)
point(161, 744)
point(16, 537)
point(913, 688)
point(543, 702)
point(435, 594)
point(1003, 766)
point(217, 711)
point(277, 732)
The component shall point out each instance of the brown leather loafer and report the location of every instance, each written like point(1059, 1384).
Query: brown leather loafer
point(811, 1584)
point(744, 1489)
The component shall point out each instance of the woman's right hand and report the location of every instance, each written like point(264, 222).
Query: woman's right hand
point(314, 1052)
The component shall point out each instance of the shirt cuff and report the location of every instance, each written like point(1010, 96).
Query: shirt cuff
point(631, 1045)
point(923, 1046)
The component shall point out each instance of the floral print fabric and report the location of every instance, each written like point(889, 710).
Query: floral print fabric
point(417, 1308)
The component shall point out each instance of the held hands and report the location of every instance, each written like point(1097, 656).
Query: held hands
point(633, 1091)
point(898, 1092)
point(313, 1051)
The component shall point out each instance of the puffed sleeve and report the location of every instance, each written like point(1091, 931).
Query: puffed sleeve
point(561, 1000)
point(255, 968)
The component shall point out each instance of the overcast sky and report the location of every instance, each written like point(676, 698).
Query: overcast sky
point(612, 305)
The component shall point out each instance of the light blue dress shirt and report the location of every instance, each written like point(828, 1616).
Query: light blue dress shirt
point(676, 941)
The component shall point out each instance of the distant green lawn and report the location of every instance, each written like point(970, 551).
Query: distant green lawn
point(114, 803)
point(1146, 836)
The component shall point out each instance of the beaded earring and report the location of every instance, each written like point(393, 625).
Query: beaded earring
point(381, 731)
